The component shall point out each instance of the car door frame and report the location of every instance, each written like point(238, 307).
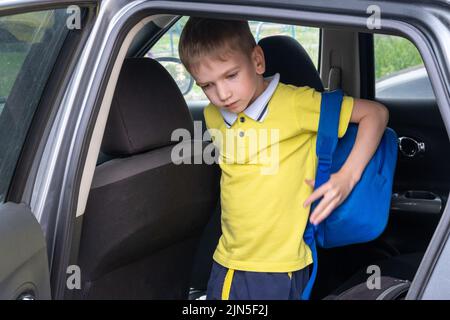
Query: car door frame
point(87, 91)
point(31, 261)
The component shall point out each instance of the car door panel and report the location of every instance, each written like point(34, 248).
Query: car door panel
point(421, 182)
point(422, 121)
point(24, 272)
point(38, 56)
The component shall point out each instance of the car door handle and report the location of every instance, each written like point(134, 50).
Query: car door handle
point(26, 296)
point(410, 147)
point(416, 201)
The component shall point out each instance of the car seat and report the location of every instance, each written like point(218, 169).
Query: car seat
point(145, 214)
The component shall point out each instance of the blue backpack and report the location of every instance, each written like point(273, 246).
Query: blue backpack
point(363, 216)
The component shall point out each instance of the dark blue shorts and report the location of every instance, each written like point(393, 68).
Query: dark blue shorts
point(228, 284)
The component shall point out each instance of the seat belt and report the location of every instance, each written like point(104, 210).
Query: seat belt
point(334, 78)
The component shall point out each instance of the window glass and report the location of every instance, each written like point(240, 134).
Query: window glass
point(399, 70)
point(29, 45)
point(167, 48)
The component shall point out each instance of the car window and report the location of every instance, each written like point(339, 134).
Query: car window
point(29, 45)
point(399, 70)
point(166, 50)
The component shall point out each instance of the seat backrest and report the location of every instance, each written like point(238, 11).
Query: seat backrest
point(286, 56)
point(145, 214)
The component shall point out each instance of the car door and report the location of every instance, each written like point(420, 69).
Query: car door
point(37, 45)
point(399, 81)
point(422, 175)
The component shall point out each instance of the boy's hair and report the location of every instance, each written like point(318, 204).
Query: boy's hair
point(202, 36)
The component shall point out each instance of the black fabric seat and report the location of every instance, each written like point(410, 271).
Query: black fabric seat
point(286, 56)
point(145, 214)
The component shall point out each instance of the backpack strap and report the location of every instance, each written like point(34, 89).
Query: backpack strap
point(327, 134)
point(327, 138)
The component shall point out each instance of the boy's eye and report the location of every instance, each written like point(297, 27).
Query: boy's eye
point(206, 86)
point(231, 76)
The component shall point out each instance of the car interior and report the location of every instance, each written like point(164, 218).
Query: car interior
point(150, 226)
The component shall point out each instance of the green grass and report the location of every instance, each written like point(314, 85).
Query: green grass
point(393, 54)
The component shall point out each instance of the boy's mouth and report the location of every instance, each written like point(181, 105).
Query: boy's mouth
point(231, 105)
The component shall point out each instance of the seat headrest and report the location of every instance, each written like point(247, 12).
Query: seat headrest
point(287, 57)
point(147, 106)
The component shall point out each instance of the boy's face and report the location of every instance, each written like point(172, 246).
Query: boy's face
point(233, 83)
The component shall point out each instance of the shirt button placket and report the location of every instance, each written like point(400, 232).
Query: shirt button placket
point(241, 132)
point(242, 147)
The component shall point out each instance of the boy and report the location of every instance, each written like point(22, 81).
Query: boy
point(261, 253)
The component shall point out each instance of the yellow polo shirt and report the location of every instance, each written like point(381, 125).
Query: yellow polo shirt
point(264, 163)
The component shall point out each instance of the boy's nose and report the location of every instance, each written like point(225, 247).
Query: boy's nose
point(224, 93)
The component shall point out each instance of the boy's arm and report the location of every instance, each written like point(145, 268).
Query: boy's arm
point(372, 118)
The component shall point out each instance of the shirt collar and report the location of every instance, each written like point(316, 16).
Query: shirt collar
point(259, 108)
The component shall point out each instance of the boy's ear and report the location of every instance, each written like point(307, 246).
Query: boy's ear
point(258, 59)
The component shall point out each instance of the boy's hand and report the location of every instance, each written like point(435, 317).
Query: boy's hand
point(334, 192)
point(372, 118)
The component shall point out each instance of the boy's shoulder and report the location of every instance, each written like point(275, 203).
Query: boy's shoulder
point(288, 93)
point(292, 89)
point(211, 110)
point(212, 116)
